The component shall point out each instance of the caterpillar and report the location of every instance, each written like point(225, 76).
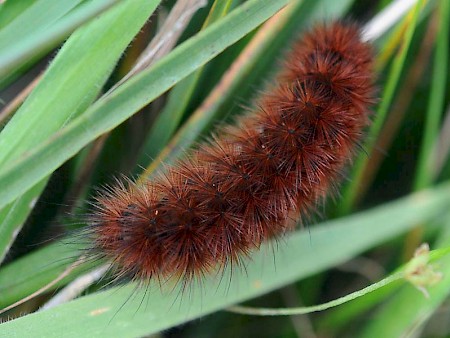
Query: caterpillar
point(248, 182)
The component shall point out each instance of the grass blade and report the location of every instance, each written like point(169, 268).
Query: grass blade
point(116, 313)
point(65, 91)
point(38, 41)
point(425, 170)
point(351, 189)
point(109, 112)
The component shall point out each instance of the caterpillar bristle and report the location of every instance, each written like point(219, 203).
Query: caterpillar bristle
point(245, 185)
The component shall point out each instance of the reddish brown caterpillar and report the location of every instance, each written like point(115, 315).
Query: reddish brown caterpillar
point(243, 187)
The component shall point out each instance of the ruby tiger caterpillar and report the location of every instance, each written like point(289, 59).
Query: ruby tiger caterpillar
point(244, 185)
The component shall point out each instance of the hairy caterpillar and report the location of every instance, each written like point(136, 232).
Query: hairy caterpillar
point(246, 184)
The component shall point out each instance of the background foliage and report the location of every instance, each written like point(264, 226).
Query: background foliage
point(67, 128)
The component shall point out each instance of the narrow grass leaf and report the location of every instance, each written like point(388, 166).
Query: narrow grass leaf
point(38, 41)
point(69, 86)
point(9, 10)
point(351, 189)
point(110, 111)
point(119, 312)
point(425, 170)
point(409, 309)
point(178, 99)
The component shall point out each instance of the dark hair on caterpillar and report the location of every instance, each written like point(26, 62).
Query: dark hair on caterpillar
point(246, 184)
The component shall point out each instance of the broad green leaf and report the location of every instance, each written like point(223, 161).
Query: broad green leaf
point(126, 312)
point(113, 109)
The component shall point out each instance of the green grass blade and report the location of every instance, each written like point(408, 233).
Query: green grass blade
point(300, 13)
point(69, 85)
point(326, 245)
point(409, 309)
point(13, 216)
point(424, 175)
point(178, 99)
point(351, 189)
point(21, 19)
point(33, 271)
point(339, 317)
point(109, 112)
point(400, 275)
point(10, 10)
point(22, 50)
point(260, 58)
point(65, 91)
point(218, 10)
point(38, 17)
